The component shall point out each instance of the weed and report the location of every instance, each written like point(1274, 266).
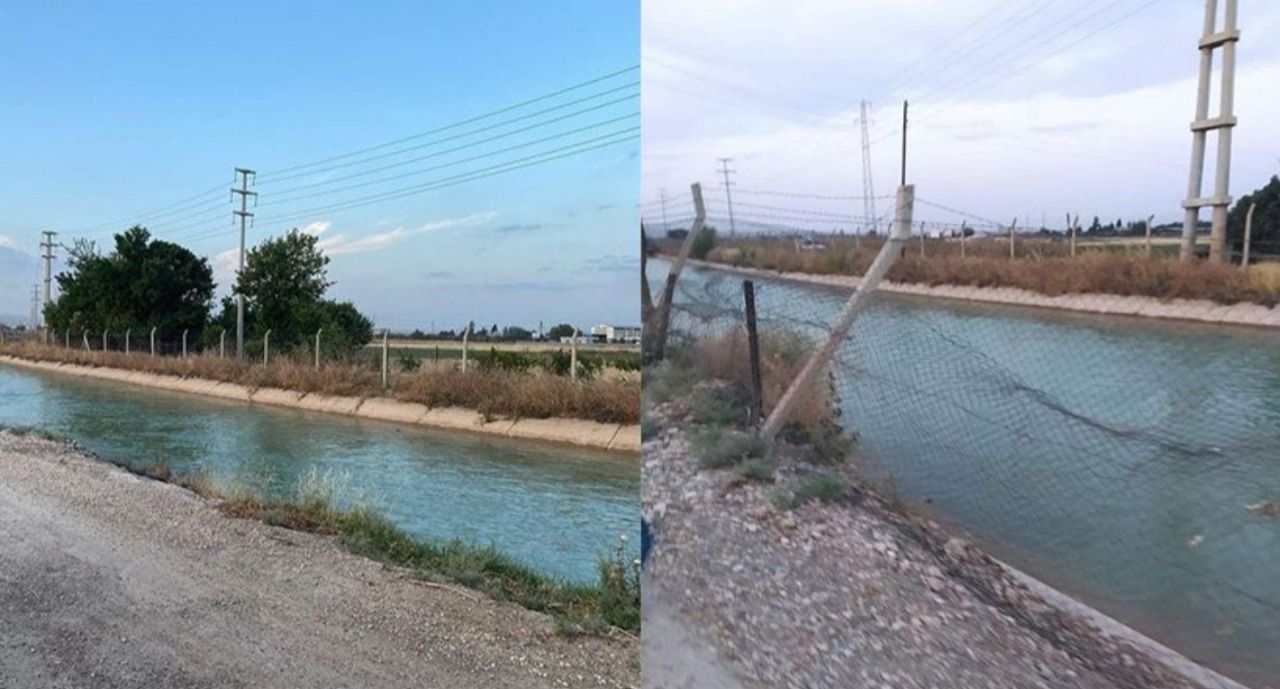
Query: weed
point(717, 448)
point(820, 486)
point(758, 470)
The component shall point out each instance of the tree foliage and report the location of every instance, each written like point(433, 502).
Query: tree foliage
point(1266, 220)
point(142, 283)
point(283, 282)
point(703, 243)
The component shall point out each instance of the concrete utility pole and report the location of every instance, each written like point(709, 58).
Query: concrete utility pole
point(46, 252)
point(1248, 236)
point(868, 188)
point(1150, 218)
point(724, 169)
point(1075, 229)
point(243, 214)
point(1200, 127)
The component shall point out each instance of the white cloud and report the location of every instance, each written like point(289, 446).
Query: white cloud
point(338, 244)
point(5, 241)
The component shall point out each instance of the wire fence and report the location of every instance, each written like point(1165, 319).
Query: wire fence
point(1134, 462)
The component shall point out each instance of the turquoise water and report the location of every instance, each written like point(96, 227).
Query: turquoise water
point(1115, 458)
point(557, 509)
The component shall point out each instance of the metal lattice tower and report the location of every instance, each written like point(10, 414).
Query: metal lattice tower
point(1203, 124)
point(868, 189)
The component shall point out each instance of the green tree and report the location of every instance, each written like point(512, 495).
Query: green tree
point(1266, 220)
point(142, 283)
point(283, 282)
point(514, 333)
point(561, 330)
point(703, 243)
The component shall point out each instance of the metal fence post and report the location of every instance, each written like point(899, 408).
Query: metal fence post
point(1075, 228)
point(963, 238)
point(573, 355)
point(126, 339)
point(1248, 234)
point(889, 253)
point(67, 338)
point(384, 358)
point(266, 347)
point(1149, 219)
point(1012, 250)
point(753, 350)
point(222, 344)
point(466, 332)
point(184, 343)
point(318, 331)
point(656, 346)
point(86, 340)
point(104, 339)
point(153, 340)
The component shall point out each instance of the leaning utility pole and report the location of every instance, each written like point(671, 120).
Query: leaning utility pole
point(1223, 123)
point(244, 215)
point(868, 189)
point(46, 252)
point(724, 168)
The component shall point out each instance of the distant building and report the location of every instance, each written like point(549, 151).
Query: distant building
point(629, 334)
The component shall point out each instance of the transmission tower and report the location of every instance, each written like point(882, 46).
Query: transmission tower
point(724, 168)
point(868, 189)
point(1203, 124)
point(243, 214)
point(46, 252)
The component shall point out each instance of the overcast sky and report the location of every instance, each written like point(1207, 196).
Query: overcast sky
point(111, 110)
point(1018, 107)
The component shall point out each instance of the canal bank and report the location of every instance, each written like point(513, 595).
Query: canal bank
point(1197, 310)
point(114, 580)
point(614, 437)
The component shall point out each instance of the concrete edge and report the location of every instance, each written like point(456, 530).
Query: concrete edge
point(1199, 310)
point(1179, 663)
point(581, 432)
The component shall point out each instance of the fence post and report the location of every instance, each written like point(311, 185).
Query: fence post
point(126, 339)
point(184, 343)
point(573, 355)
point(889, 253)
point(1075, 227)
point(1148, 247)
point(86, 340)
point(922, 251)
point(266, 347)
point(963, 238)
point(753, 351)
point(1248, 234)
point(153, 340)
point(67, 338)
point(384, 358)
point(1012, 250)
point(104, 339)
point(222, 344)
point(318, 331)
point(656, 347)
point(465, 333)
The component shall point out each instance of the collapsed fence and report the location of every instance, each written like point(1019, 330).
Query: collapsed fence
point(1135, 463)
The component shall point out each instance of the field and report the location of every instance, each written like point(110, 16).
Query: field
point(621, 356)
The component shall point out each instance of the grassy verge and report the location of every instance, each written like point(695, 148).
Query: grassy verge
point(1042, 266)
point(612, 602)
point(494, 393)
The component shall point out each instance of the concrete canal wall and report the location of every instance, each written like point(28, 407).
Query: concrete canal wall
point(617, 437)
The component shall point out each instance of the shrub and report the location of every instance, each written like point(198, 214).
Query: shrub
point(760, 470)
point(717, 448)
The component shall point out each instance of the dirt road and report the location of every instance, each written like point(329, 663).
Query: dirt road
point(110, 580)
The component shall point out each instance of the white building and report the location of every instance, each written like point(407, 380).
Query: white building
point(616, 333)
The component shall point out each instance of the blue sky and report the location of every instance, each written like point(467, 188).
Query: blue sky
point(115, 109)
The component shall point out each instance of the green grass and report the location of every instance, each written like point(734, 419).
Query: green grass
point(818, 486)
point(758, 470)
point(612, 601)
point(718, 448)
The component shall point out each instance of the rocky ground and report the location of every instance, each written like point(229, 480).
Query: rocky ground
point(855, 595)
point(111, 580)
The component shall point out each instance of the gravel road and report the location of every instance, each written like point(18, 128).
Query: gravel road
point(108, 580)
point(838, 596)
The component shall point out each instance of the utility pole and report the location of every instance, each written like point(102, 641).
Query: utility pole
point(868, 189)
point(46, 252)
point(665, 227)
point(1223, 123)
point(243, 214)
point(724, 169)
point(904, 143)
point(35, 307)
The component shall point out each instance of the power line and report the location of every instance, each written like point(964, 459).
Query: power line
point(454, 125)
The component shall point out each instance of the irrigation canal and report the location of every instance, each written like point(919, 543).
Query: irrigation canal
point(556, 509)
point(1132, 463)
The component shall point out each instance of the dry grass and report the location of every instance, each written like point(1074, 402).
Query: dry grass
point(1042, 266)
point(782, 355)
point(612, 399)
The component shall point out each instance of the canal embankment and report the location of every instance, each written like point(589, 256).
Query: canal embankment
point(116, 580)
point(1197, 310)
point(617, 437)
